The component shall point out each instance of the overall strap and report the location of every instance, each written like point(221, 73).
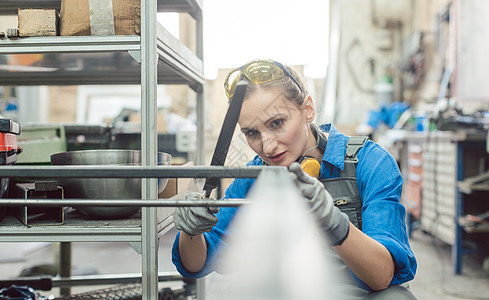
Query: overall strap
point(344, 189)
point(355, 143)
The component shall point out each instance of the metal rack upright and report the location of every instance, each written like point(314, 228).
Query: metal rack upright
point(152, 58)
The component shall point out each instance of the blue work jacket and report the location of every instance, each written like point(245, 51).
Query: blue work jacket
point(380, 185)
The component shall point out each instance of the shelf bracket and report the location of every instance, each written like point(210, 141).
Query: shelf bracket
point(137, 246)
point(136, 55)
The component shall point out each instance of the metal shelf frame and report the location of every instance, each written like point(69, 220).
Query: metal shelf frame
point(156, 57)
point(74, 230)
point(127, 230)
point(98, 60)
point(64, 44)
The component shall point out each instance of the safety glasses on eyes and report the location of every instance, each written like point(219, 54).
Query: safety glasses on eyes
point(258, 72)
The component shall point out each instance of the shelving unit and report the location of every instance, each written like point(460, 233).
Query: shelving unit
point(446, 158)
point(155, 57)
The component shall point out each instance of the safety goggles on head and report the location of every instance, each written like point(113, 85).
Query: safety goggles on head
point(258, 72)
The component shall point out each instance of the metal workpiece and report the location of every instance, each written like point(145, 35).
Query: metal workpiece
point(109, 171)
point(272, 234)
point(123, 202)
point(45, 190)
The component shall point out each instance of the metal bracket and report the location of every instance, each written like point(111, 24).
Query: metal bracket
point(137, 246)
point(136, 55)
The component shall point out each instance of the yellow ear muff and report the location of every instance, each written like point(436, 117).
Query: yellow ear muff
point(311, 166)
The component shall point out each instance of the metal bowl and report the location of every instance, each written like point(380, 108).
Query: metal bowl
point(105, 188)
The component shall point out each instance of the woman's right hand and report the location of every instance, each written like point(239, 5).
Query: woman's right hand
point(195, 220)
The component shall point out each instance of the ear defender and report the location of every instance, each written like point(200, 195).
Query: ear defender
point(310, 165)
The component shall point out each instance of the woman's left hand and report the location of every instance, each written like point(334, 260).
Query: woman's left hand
point(331, 219)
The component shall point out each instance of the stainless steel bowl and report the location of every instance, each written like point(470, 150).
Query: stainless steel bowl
point(105, 188)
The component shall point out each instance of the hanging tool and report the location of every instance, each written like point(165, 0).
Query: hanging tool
point(226, 134)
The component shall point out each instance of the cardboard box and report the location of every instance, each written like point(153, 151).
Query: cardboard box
point(100, 17)
point(38, 22)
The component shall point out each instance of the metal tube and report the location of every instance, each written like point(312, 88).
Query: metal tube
point(109, 279)
point(98, 171)
point(64, 266)
point(122, 202)
point(149, 82)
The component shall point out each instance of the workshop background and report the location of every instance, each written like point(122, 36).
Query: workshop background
point(411, 74)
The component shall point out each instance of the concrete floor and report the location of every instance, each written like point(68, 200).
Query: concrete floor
point(434, 279)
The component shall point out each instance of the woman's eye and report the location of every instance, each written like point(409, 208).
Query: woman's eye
point(276, 123)
point(251, 133)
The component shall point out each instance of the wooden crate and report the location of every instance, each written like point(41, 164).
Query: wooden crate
point(102, 17)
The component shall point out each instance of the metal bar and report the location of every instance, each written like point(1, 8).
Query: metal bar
point(200, 111)
point(200, 35)
point(64, 267)
point(172, 52)
point(70, 234)
point(193, 7)
point(98, 171)
point(39, 45)
point(149, 147)
point(457, 247)
point(122, 202)
point(109, 279)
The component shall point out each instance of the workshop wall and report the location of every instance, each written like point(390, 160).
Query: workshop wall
point(379, 41)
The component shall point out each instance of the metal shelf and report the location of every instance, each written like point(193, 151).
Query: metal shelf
point(193, 7)
point(75, 229)
point(75, 60)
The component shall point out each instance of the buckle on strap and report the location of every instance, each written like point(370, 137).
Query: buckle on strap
point(355, 143)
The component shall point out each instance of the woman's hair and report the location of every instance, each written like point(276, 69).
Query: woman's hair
point(286, 84)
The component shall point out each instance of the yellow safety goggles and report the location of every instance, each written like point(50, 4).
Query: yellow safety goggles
point(258, 72)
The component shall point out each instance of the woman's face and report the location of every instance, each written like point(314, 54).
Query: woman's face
point(276, 128)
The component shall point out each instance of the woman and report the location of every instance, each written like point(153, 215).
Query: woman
point(276, 119)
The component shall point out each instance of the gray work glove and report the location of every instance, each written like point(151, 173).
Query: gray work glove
point(195, 220)
point(330, 218)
